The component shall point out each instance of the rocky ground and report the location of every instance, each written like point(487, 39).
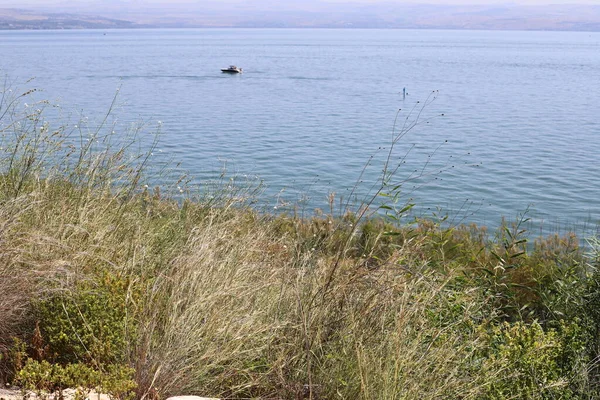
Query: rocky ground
point(69, 394)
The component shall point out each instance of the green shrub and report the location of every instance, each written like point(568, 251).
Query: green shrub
point(88, 324)
point(523, 361)
point(12, 359)
point(45, 378)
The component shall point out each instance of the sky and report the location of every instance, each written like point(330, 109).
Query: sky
point(23, 3)
point(478, 2)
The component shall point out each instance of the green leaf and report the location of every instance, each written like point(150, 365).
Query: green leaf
point(406, 208)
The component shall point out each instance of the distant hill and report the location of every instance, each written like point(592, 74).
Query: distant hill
point(309, 14)
point(28, 19)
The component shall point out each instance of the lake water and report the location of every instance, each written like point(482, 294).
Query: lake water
point(521, 122)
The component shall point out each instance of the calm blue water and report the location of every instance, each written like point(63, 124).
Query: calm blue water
point(521, 122)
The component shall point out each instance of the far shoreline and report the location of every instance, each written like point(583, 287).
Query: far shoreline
point(316, 28)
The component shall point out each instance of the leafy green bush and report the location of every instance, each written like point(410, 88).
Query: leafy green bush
point(12, 359)
point(88, 324)
point(526, 362)
point(45, 378)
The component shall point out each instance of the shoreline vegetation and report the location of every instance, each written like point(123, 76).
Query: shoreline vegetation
point(111, 286)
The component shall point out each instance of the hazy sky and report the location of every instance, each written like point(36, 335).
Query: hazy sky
point(516, 2)
point(141, 3)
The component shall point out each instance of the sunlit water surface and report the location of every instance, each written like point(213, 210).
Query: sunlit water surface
point(520, 130)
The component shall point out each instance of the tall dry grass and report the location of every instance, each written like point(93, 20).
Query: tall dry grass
point(242, 314)
point(216, 299)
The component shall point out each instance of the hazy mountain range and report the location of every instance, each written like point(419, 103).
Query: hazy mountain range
point(307, 14)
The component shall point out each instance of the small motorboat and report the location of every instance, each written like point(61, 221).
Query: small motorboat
point(232, 70)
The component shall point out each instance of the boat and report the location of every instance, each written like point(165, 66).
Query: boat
point(232, 70)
